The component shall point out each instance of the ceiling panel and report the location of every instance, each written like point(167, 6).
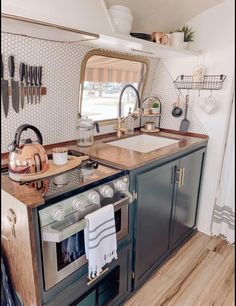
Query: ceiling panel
point(163, 15)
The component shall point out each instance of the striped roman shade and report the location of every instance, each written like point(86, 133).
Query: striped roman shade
point(104, 69)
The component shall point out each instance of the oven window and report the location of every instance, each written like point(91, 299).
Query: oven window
point(70, 249)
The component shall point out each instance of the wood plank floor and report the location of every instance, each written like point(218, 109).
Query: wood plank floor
point(201, 273)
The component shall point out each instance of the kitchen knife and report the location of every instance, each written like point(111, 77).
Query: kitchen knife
point(22, 87)
point(31, 78)
point(40, 69)
point(27, 82)
point(4, 91)
point(14, 85)
point(35, 77)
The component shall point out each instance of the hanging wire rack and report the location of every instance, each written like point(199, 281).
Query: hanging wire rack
point(210, 82)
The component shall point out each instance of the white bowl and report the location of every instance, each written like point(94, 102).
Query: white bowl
point(122, 26)
point(121, 15)
point(120, 8)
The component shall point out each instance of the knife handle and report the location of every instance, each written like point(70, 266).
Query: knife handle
point(2, 67)
point(35, 75)
point(31, 78)
point(26, 75)
point(40, 70)
point(11, 66)
point(22, 71)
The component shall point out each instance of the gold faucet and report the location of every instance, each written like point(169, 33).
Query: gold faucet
point(136, 113)
point(120, 130)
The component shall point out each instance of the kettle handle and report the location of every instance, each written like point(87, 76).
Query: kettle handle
point(16, 142)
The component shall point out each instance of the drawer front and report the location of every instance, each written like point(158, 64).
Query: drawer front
point(109, 288)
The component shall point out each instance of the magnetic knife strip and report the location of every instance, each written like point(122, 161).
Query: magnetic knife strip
point(27, 88)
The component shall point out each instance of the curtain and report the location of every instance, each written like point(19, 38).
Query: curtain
point(223, 221)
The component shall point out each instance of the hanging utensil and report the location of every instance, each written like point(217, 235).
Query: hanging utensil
point(14, 85)
point(27, 82)
point(4, 90)
point(177, 111)
point(184, 125)
point(22, 87)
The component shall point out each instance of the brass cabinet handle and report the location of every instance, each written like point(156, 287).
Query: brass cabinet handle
point(95, 278)
point(179, 173)
point(182, 177)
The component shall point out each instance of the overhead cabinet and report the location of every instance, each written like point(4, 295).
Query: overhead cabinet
point(89, 16)
point(166, 210)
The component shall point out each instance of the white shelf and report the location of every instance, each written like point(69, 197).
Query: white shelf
point(114, 41)
point(134, 45)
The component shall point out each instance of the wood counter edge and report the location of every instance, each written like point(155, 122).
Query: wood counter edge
point(4, 156)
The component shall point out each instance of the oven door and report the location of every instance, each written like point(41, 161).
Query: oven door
point(63, 246)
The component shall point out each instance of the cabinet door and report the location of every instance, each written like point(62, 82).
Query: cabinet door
point(154, 206)
point(185, 207)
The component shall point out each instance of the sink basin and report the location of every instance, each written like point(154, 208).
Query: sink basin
point(143, 143)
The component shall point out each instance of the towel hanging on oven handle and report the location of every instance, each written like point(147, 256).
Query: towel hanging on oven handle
point(53, 235)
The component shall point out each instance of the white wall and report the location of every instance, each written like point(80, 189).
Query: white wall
point(215, 37)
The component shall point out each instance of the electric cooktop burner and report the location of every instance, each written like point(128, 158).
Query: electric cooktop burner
point(88, 172)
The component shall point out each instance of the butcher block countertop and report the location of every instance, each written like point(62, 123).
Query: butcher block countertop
point(110, 155)
point(128, 159)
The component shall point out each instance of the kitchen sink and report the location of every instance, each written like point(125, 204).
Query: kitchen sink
point(143, 143)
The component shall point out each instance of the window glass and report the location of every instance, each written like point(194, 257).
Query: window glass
point(104, 77)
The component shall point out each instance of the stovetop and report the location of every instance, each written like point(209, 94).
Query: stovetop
point(88, 174)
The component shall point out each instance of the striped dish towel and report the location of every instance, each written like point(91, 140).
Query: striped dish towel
point(100, 239)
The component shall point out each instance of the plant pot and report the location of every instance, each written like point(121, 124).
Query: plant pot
point(185, 45)
point(155, 110)
point(177, 39)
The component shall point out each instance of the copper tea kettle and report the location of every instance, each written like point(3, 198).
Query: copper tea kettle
point(27, 157)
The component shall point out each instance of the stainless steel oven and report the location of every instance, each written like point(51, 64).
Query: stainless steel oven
point(62, 227)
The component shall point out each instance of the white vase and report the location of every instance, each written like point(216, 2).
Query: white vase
point(185, 45)
point(177, 39)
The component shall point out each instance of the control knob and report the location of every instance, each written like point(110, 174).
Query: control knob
point(58, 214)
point(106, 191)
point(121, 185)
point(79, 204)
point(94, 198)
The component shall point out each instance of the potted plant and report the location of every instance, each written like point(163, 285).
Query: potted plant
point(155, 107)
point(188, 35)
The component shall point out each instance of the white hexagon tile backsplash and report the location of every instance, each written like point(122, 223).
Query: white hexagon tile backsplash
point(55, 116)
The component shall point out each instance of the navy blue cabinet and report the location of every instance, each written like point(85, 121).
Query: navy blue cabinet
point(186, 196)
point(166, 210)
point(154, 205)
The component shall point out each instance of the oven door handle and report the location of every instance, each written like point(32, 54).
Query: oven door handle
point(127, 199)
point(52, 235)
